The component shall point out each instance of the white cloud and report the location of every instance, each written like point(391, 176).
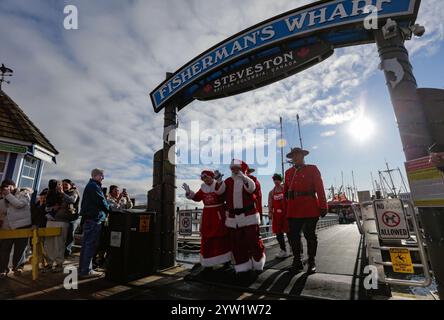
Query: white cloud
point(88, 89)
point(328, 133)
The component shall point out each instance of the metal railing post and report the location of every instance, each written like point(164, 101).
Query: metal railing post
point(358, 219)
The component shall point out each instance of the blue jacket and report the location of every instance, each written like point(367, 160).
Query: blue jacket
point(94, 204)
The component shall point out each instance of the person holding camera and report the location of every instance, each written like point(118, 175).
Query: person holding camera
point(15, 206)
point(70, 189)
point(305, 204)
point(119, 200)
point(61, 212)
point(38, 210)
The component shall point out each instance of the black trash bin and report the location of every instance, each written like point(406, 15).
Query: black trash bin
point(131, 246)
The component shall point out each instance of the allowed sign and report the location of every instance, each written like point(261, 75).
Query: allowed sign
point(391, 220)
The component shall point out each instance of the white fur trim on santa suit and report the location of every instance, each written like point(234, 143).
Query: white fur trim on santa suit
point(259, 265)
point(242, 220)
point(247, 266)
point(238, 187)
point(214, 261)
point(212, 188)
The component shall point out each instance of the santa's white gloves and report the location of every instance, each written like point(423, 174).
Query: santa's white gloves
point(187, 189)
point(218, 176)
point(244, 177)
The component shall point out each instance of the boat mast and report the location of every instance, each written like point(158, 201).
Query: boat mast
point(381, 185)
point(373, 182)
point(403, 181)
point(389, 171)
point(355, 191)
point(282, 149)
point(299, 129)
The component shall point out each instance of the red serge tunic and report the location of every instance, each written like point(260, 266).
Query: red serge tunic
point(213, 215)
point(306, 179)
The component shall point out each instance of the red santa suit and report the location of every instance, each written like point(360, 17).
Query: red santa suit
point(277, 206)
point(243, 222)
point(215, 244)
point(257, 194)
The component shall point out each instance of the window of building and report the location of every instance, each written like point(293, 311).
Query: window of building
point(3, 164)
point(29, 172)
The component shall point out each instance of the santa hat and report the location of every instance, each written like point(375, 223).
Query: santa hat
point(207, 173)
point(239, 164)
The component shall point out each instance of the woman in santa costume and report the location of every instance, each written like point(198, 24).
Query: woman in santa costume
point(215, 245)
point(276, 211)
point(243, 220)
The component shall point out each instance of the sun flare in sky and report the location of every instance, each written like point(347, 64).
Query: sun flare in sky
point(361, 128)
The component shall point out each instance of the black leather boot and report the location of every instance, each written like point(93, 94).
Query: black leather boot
point(297, 266)
point(311, 266)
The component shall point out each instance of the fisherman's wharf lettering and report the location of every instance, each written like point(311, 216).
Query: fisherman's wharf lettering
point(291, 26)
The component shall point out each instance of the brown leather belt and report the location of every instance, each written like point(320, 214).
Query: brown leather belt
point(293, 194)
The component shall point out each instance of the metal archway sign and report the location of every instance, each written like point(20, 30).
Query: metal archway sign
point(332, 24)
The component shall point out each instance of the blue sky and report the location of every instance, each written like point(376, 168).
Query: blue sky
point(88, 89)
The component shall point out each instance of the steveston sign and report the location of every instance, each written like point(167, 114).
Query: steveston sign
point(320, 18)
point(264, 71)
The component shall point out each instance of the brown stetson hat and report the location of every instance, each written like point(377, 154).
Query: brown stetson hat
point(297, 150)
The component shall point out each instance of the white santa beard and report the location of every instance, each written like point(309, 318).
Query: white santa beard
point(238, 188)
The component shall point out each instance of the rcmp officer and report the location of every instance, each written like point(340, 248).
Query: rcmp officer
point(305, 203)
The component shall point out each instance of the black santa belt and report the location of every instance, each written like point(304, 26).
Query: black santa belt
point(242, 210)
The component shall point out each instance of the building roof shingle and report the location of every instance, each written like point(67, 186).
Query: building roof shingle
point(14, 124)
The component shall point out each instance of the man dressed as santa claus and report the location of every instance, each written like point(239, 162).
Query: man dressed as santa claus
point(243, 220)
point(215, 245)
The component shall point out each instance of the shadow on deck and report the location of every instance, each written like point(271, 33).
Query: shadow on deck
point(339, 276)
point(340, 264)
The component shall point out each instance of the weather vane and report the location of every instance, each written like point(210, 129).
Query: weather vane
point(5, 72)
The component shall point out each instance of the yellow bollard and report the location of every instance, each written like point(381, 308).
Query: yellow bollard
point(35, 254)
point(37, 245)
